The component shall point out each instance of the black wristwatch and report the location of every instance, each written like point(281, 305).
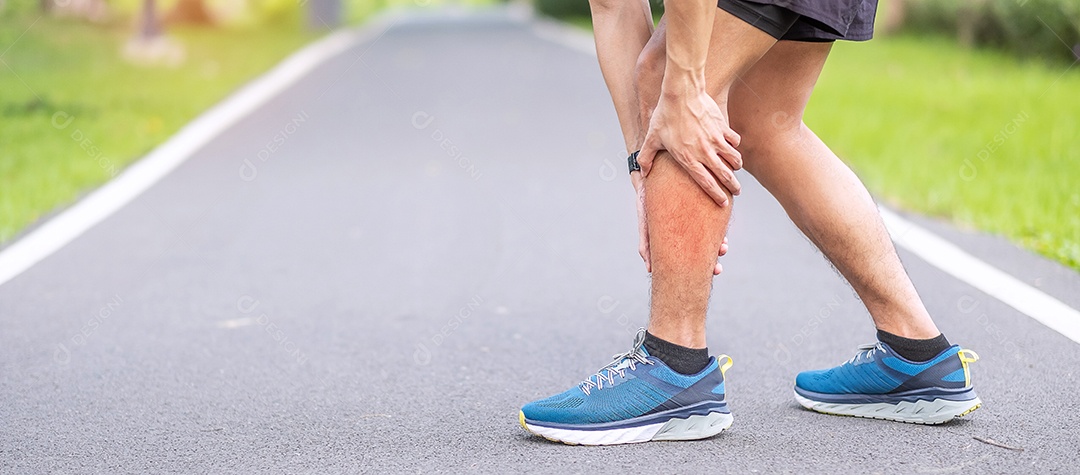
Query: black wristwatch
point(631, 162)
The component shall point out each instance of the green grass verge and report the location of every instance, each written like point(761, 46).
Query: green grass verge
point(977, 137)
point(974, 136)
point(63, 70)
point(58, 69)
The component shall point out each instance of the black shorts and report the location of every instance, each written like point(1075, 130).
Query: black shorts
point(807, 20)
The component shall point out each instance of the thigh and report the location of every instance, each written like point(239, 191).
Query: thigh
point(769, 99)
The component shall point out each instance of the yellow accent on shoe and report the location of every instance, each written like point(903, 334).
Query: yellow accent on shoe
point(969, 411)
point(725, 365)
point(521, 420)
point(967, 356)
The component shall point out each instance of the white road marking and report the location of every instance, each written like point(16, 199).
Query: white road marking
point(140, 176)
point(971, 270)
point(236, 322)
point(933, 249)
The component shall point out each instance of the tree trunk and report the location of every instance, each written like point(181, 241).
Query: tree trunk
point(968, 21)
point(149, 26)
point(895, 16)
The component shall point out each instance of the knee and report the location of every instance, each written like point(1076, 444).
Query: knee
point(649, 70)
point(604, 6)
point(764, 135)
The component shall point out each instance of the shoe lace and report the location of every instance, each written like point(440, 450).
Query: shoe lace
point(618, 366)
point(866, 352)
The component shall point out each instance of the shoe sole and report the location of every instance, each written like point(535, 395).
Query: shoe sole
point(930, 412)
point(690, 428)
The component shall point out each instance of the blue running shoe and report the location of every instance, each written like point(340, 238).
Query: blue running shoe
point(636, 398)
point(880, 384)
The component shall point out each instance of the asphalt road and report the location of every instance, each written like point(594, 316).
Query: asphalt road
point(431, 230)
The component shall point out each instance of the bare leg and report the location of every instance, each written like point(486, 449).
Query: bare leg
point(686, 226)
point(819, 192)
point(685, 230)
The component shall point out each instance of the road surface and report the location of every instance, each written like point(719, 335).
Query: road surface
point(375, 270)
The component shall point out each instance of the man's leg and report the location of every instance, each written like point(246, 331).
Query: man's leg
point(819, 192)
point(685, 230)
point(829, 203)
point(833, 208)
point(673, 373)
point(913, 374)
point(686, 226)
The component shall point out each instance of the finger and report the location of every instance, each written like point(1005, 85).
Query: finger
point(638, 182)
point(724, 247)
point(646, 257)
point(718, 269)
point(643, 242)
point(732, 137)
point(643, 246)
point(643, 226)
point(648, 152)
point(724, 175)
point(731, 156)
point(708, 183)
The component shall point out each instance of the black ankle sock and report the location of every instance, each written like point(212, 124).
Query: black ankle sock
point(679, 358)
point(914, 350)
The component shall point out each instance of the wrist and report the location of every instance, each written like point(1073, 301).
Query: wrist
point(633, 144)
point(682, 83)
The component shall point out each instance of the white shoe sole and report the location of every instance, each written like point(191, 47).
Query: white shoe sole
point(691, 428)
point(937, 411)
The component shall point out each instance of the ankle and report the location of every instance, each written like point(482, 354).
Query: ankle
point(914, 332)
point(906, 322)
point(915, 349)
point(681, 359)
point(907, 318)
point(687, 337)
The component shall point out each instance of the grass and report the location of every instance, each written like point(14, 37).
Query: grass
point(57, 69)
point(977, 137)
point(62, 70)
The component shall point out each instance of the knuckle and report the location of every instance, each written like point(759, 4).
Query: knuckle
point(727, 176)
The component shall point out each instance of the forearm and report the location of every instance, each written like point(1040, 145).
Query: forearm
point(689, 30)
point(621, 29)
point(726, 49)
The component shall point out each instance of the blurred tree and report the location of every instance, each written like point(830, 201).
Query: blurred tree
point(969, 20)
point(190, 12)
point(580, 8)
point(1028, 28)
point(150, 46)
point(895, 14)
point(149, 26)
point(93, 10)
